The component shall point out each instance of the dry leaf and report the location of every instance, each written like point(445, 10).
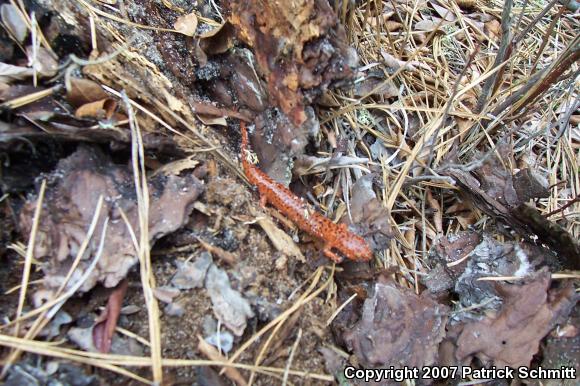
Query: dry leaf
point(397, 328)
point(105, 108)
point(10, 73)
point(386, 89)
point(42, 61)
point(176, 167)
point(466, 4)
point(528, 314)
point(13, 20)
point(395, 63)
point(186, 24)
point(212, 121)
point(229, 306)
point(280, 239)
point(83, 91)
point(445, 13)
point(71, 198)
point(431, 24)
point(217, 40)
point(494, 28)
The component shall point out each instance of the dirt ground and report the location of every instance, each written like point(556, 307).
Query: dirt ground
point(442, 136)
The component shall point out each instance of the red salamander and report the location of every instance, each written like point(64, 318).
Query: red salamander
point(333, 235)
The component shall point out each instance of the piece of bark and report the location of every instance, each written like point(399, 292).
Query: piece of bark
point(300, 46)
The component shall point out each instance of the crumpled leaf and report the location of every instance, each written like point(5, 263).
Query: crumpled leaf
point(513, 337)
point(450, 254)
point(192, 275)
point(217, 40)
point(186, 24)
point(71, 197)
point(102, 109)
point(228, 304)
point(397, 328)
point(369, 216)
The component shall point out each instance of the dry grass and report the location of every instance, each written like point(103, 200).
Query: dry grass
point(420, 126)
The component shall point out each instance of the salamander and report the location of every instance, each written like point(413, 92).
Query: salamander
point(334, 236)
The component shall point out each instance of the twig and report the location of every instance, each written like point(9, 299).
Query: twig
point(563, 207)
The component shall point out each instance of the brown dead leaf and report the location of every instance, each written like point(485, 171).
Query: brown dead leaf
point(449, 253)
point(467, 4)
point(217, 40)
point(494, 28)
point(186, 24)
point(280, 239)
point(395, 63)
point(102, 109)
point(385, 89)
point(212, 121)
point(83, 91)
point(42, 61)
point(397, 328)
point(530, 184)
point(431, 24)
point(71, 197)
point(528, 313)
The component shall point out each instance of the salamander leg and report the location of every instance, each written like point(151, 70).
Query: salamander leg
point(331, 255)
point(263, 201)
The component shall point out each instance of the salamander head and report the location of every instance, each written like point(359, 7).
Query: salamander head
point(353, 246)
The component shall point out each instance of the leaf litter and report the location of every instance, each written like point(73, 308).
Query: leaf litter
point(444, 133)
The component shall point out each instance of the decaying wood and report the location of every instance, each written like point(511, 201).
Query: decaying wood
point(524, 219)
point(300, 47)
